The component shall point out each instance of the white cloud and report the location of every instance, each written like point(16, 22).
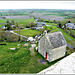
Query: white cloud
point(37, 4)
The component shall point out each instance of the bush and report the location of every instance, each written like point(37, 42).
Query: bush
point(42, 30)
point(50, 27)
point(69, 50)
point(48, 30)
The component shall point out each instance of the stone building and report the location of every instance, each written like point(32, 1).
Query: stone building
point(69, 25)
point(52, 46)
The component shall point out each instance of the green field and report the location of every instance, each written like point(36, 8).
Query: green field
point(60, 15)
point(66, 21)
point(51, 23)
point(20, 60)
point(25, 22)
point(2, 21)
point(29, 32)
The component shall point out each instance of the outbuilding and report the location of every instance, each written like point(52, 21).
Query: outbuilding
point(52, 46)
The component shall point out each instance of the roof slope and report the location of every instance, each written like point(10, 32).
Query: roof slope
point(56, 39)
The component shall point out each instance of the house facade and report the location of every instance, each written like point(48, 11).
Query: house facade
point(52, 46)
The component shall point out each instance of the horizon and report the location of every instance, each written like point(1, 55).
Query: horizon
point(37, 9)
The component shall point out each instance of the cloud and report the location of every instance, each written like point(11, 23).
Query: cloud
point(37, 4)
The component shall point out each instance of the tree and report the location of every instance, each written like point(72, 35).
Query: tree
point(16, 24)
point(12, 22)
point(54, 21)
point(45, 27)
point(59, 24)
point(8, 25)
point(69, 21)
point(7, 21)
point(1, 14)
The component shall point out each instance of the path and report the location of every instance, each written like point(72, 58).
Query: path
point(32, 49)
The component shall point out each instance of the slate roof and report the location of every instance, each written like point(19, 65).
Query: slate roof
point(56, 39)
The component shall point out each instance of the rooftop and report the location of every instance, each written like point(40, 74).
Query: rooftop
point(56, 39)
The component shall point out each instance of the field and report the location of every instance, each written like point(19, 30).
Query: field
point(26, 22)
point(2, 21)
point(66, 21)
point(59, 14)
point(51, 23)
point(20, 60)
point(48, 17)
point(29, 32)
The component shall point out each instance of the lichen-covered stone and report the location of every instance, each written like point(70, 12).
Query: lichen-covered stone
point(54, 44)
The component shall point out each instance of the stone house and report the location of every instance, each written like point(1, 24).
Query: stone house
point(52, 46)
point(69, 25)
point(40, 24)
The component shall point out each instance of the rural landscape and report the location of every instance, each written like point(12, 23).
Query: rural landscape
point(20, 32)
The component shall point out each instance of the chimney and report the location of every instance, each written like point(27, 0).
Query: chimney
point(45, 33)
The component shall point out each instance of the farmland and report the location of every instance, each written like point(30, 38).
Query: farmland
point(51, 24)
point(26, 22)
point(29, 32)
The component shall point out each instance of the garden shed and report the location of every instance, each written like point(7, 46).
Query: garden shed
point(52, 46)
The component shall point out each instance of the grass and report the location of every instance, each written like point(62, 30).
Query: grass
point(26, 21)
point(1, 25)
point(66, 21)
point(29, 32)
point(51, 23)
point(16, 20)
point(2, 21)
point(50, 27)
point(20, 60)
point(73, 31)
point(60, 15)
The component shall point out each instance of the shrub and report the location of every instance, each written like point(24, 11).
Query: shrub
point(50, 27)
point(48, 30)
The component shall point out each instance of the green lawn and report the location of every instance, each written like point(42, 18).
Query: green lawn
point(51, 23)
point(29, 32)
point(20, 60)
point(50, 27)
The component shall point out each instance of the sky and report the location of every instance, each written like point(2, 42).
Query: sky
point(37, 4)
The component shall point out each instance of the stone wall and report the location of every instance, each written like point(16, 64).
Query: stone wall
point(57, 53)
